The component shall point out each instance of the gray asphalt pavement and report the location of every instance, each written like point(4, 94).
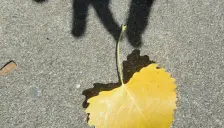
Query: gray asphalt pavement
point(186, 37)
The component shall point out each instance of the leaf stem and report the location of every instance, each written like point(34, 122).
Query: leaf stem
point(123, 28)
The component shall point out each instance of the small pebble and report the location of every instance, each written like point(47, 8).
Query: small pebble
point(77, 85)
point(35, 92)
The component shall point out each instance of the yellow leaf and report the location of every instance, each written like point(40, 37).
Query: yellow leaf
point(146, 101)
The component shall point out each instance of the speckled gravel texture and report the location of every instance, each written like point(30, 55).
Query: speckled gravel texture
point(45, 91)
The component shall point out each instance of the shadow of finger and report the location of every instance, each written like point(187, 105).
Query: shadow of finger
point(40, 1)
point(138, 20)
point(106, 17)
point(80, 11)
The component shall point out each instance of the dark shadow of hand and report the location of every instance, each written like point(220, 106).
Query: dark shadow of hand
point(136, 21)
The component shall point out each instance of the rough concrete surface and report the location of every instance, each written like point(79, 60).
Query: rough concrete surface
point(45, 91)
